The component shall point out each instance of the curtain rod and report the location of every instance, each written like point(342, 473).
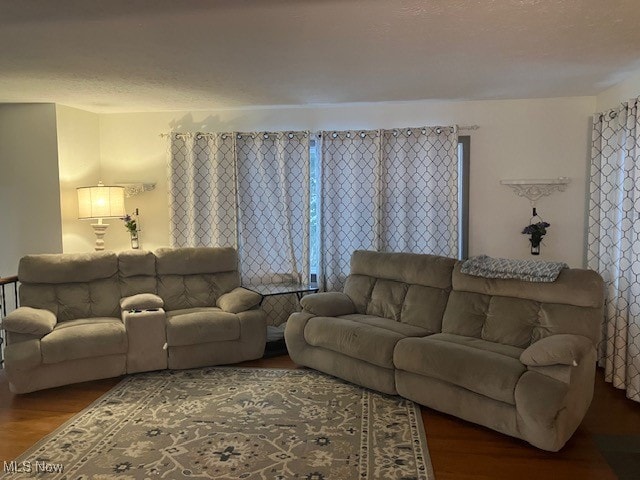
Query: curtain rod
point(164, 135)
point(290, 134)
point(615, 111)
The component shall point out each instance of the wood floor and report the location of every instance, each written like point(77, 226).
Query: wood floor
point(459, 450)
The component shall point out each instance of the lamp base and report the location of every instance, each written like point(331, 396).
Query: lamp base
point(99, 229)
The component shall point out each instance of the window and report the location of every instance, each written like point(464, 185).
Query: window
point(314, 208)
point(464, 144)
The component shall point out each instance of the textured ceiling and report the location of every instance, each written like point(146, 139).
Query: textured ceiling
point(147, 55)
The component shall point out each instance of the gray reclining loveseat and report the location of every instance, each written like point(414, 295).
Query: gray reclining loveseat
point(90, 316)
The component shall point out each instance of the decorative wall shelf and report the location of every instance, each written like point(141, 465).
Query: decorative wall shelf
point(133, 189)
point(537, 188)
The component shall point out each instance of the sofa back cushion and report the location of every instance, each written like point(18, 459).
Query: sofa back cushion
point(71, 285)
point(518, 313)
point(137, 272)
point(195, 276)
point(405, 287)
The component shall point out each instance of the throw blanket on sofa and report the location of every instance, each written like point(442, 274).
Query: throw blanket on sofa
point(527, 270)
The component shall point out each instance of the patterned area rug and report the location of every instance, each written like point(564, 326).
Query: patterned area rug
point(237, 423)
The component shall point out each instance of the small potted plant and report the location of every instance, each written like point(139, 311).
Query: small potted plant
point(131, 225)
point(536, 231)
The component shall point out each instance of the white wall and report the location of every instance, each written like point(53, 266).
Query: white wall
point(29, 190)
point(541, 138)
point(79, 164)
point(622, 92)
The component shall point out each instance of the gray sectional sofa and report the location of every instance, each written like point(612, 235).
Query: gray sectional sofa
point(99, 315)
point(517, 357)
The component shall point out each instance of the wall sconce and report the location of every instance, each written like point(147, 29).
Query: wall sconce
point(133, 189)
point(533, 190)
point(98, 202)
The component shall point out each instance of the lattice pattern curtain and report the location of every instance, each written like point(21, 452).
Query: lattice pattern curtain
point(420, 191)
point(614, 240)
point(273, 213)
point(349, 198)
point(387, 190)
point(248, 190)
point(202, 191)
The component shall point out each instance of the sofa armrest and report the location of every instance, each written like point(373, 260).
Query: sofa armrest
point(239, 300)
point(141, 301)
point(30, 321)
point(328, 304)
point(561, 349)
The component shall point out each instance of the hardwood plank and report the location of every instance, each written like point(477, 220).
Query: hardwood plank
point(459, 450)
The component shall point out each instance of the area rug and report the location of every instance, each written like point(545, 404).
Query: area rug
point(236, 423)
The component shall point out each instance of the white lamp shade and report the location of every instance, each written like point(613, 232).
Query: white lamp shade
point(101, 201)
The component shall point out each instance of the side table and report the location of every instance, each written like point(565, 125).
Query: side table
point(272, 289)
point(278, 347)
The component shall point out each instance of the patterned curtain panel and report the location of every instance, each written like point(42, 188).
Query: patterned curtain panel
point(614, 240)
point(388, 190)
point(202, 192)
point(350, 195)
point(250, 191)
point(273, 213)
point(420, 191)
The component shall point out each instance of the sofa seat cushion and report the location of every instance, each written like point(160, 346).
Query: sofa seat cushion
point(404, 329)
point(483, 367)
point(365, 337)
point(501, 348)
point(193, 326)
point(84, 338)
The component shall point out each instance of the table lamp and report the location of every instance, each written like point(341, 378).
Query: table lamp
point(98, 202)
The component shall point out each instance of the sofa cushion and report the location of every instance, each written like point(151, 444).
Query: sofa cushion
point(137, 272)
point(582, 288)
point(380, 322)
point(84, 338)
point(417, 305)
point(411, 268)
point(239, 300)
point(557, 319)
point(195, 260)
point(508, 350)
point(387, 298)
point(74, 300)
point(511, 321)
point(193, 326)
point(141, 301)
point(65, 268)
point(424, 307)
point(506, 320)
point(359, 288)
point(410, 288)
point(475, 364)
point(364, 337)
point(465, 314)
point(135, 263)
point(514, 308)
point(181, 292)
